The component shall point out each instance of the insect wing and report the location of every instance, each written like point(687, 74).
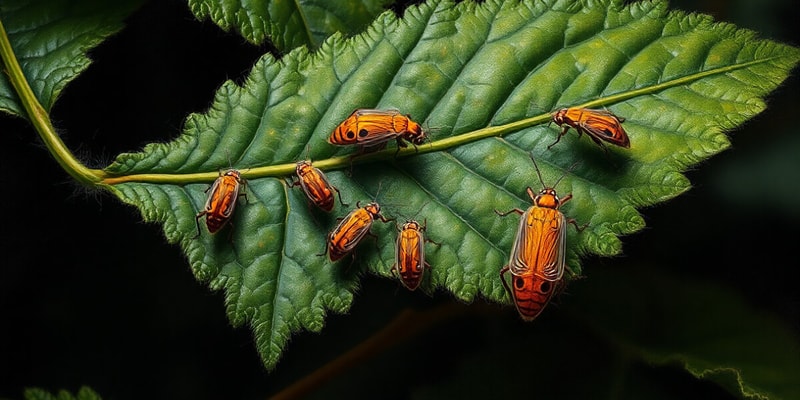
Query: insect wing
point(346, 236)
point(540, 244)
point(410, 255)
point(530, 294)
point(316, 186)
point(213, 196)
point(600, 125)
point(603, 125)
point(366, 127)
point(221, 201)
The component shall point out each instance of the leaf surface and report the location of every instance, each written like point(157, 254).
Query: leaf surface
point(289, 24)
point(51, 40)
point(484, 78)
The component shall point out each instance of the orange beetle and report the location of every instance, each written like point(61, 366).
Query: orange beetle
point(410, 261)
point(316, 186)
point(370, 128)
point(600, 125)
point(537, 255)
point(351, 229)
point(221, 201)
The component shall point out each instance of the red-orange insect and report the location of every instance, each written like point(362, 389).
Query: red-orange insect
point(316, 186)
point(371, 128)
point(221, 201)
point(410, 261)
point(351, 229)
point(537, 256)
point(600, 125)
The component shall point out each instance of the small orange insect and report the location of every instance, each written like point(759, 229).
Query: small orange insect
point(316, 186)
point(351, 229)
point(537, 256)
point(370, 128)
point(221, 200)
point(410, 261)
point(600, 125)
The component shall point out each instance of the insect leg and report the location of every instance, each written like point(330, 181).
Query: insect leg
point(425, 228)
point(516, 210)
point(197, 221)
point(384, 219)
point(375, 238)
point(579, 228)
point(325, 252)
point(431, 241)
point(503, 272)
point(562, 133)
point(340, 197)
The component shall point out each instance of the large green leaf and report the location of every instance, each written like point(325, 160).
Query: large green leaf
point(484, 77)
point(289, 24)
point(50, 39)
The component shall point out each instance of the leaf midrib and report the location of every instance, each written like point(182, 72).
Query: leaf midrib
point(343, 162)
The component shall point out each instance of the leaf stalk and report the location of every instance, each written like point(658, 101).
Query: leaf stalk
point(40, 119)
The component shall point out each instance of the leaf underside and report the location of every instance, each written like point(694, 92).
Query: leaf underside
point(679, 80)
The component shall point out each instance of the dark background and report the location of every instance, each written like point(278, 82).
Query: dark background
point(90, 295)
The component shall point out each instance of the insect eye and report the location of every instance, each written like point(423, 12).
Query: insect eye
point(350, 134)
point(363, 133)
point(519, 283)
point(545, 287)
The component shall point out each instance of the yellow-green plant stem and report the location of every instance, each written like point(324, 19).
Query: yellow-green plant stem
point(343, 162)
point(40, 119)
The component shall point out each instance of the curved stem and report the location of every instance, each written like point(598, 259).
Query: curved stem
point(40, 119)
point(343, 162)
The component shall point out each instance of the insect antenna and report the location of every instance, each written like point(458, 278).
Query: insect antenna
point(539, 174)
point(571, 167)
point(228, 156)
point(377, 192)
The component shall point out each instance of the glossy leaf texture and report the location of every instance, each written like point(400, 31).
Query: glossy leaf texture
point(289, 24)
point(51, 39)
point(484, 78)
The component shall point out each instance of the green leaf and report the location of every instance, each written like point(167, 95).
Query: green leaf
point(485, 78)
point(50, 39)
point(84, 393)
point(289, 24)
